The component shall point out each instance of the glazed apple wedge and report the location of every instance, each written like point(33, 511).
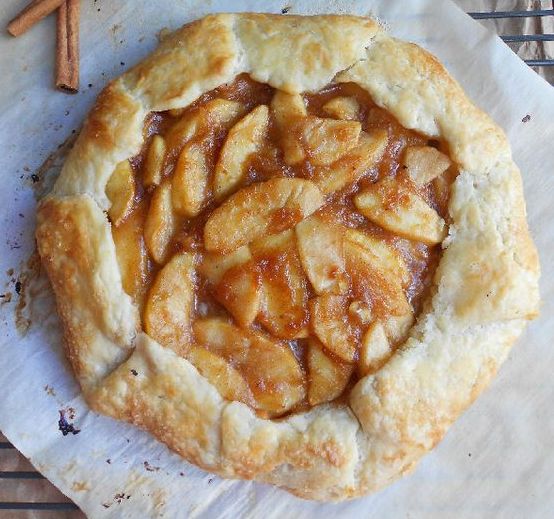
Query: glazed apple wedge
point(169, 305)
point(223, 338)
point(263, 208)
point(327, 377)
point(132, 258)
point(270, 368)
point(154, 162)
point(375, 349)
point(342, 107)
point(160, 222)
point(385, 258)
point(213, 115)
point(350, 168)
point(274, 375)
point(243, 139)
point(284, 285)
point(425, 163)
point(240, 291)
point(332, 327)
point(398, 209)
point(213, 265)
point(321, 249)
point(371, 284)
point(190, 180)
point(327, 140)
point(288, 110)
point(120, 190)
point(226, 379)
point(398, 326)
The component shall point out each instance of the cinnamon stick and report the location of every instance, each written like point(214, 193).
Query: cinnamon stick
point(67, 47)
point(32, 14)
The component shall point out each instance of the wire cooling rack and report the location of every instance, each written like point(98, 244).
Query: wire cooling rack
point(33, 494)
point(522, 38)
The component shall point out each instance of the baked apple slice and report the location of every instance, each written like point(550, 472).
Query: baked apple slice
point(398, 326)
point(329, 322)
point(274, 375)
point(354, 164)
point(273, 244)
point(284, 285)
point(288, 110)
point(373, 285)
point(375, 349)
point(190, 179)
point(214, 265)
point(240, 291)
point(214, 114)
point(398, 209)
point(342, 107)
point(327, 377)
point(228, 381)
point(385, 258)
point(327, 140)
point(223, 338)
point(160, 223)
point(263, 208)
point(270, 368)
point(170, 302)
point(154, 162)
point(120, 190)
point(132, 257)
point(425, 163)
point(244, 139)
point(320, 245)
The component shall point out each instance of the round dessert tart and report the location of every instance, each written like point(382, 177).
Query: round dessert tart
point(291, 249)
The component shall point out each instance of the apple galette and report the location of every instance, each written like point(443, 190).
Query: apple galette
point(291, 248)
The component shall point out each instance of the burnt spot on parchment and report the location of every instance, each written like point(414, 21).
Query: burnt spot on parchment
point(117, 499)
point(64, 425)
point(150, 468)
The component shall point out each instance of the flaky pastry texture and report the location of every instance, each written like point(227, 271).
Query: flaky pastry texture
point(485, 288)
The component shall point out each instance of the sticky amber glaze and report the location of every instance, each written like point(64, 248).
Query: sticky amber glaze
point(420, 259)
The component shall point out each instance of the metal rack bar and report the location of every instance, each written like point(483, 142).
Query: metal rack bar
point(528, 37)
point(55, 507)
point(21, 475)
point(540, 62)
point(521, 38)
point(512, 14)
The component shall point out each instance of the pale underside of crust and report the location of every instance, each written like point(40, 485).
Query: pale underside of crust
point(486, 283)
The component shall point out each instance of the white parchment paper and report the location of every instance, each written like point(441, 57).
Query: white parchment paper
point(497, 460)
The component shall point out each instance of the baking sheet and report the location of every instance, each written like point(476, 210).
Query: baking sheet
point(496, 461)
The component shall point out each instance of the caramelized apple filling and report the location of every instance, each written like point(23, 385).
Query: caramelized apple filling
point(282, 243)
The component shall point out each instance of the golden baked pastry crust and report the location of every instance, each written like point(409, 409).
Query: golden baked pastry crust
point(485, 287)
